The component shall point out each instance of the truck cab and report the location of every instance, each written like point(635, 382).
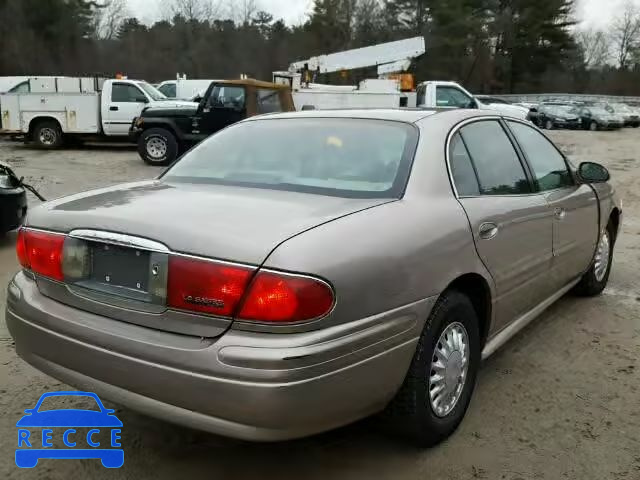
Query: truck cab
point(163, 134)
point(443, 94)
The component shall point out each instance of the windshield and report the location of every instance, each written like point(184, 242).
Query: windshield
point(151, 91)
point(599, 111)
point(331, 156)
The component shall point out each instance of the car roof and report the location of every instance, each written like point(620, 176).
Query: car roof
point(407, 115)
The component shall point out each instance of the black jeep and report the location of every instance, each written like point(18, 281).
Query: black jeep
point(163, 134)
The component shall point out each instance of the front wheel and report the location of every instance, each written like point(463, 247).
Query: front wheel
point(157, 146)
point(548, 125)
point(438, 387)
point(593, 126)
point(594, 281)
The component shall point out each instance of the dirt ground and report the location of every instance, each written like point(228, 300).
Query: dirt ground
point(560, 401)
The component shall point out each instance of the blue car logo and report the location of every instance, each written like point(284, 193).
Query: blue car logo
point(36, 434)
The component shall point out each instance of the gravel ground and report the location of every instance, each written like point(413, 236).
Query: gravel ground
point(560, 401)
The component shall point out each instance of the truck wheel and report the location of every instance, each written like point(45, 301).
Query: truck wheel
point(438, 387)
point(47, 134)
point(158, 146)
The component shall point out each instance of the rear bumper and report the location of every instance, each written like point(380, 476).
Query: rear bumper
point(253, 386)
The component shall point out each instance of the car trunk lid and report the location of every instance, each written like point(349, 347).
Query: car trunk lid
point(128, 232)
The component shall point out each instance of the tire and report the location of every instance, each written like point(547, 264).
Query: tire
point(158, 146)
point(594, 281)
point(548, 125)
point(636, 125)
point(411, 413)
point(47, 134)
point(593, 126)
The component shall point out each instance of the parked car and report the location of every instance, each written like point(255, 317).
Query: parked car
point(555, 115)
point(596, 117)
point(630, 115)
point(13, 199)
point(299, 271)
point(163, 134)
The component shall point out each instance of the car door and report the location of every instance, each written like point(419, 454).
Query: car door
point(575, 205)
point(225, 105)
point(511, 225)
point(127, 102)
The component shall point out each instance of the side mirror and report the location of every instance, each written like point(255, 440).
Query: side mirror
point(591, 172)
point(142, 100)
point(308, 107)
point(472, 104)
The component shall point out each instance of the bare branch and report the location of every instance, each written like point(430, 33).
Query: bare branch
point(108, 17)
point(201, 10)
point(596, 47)
point(625, 34)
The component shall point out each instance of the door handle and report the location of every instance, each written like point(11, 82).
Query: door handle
point(114, 109)
point(488, 230)
point(560, 213)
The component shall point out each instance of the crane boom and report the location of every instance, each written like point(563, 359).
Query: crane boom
point(389, 57)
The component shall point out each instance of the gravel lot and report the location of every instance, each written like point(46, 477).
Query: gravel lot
point(560, 401)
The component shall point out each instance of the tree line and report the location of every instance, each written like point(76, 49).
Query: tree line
point(490, 46)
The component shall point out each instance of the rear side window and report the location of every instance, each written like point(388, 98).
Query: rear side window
point(495, 159)
point(462, 169)
point(268, 100)
point(549, 168)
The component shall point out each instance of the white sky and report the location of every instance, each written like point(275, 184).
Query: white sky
point(595, 13)
point(598, 13)
point(292, 11)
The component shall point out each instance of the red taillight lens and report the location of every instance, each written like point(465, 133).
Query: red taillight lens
point(41, 252)
point(21, 249)
point(274, 297)
point(204, 286)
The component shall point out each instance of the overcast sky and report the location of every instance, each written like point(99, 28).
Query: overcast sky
point(592, 12)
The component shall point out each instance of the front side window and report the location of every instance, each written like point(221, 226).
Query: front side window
point(268, 100)
point(353, 158)
point(227, 96)
point(168, 90)
point(123, 92)
point(452, 97)
point(495, 159)
point(548, 165)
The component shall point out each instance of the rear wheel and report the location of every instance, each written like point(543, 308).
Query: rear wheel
point(593, 126)
point(548, 125)
point(438, 387)
point(594, 281)
point(47, 134)
point(158, 146)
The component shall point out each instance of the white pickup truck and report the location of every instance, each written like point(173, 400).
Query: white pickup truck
point(440, 94)
point(77, 108)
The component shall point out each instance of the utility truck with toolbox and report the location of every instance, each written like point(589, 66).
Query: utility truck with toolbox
point(59, 109)
point(163, 134)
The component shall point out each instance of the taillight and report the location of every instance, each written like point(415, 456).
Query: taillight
point(205, 286)
point(21, 249)
point(41, 252)
point(275, 297)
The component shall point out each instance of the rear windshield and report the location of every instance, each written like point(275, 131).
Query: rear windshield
point(329, 156)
